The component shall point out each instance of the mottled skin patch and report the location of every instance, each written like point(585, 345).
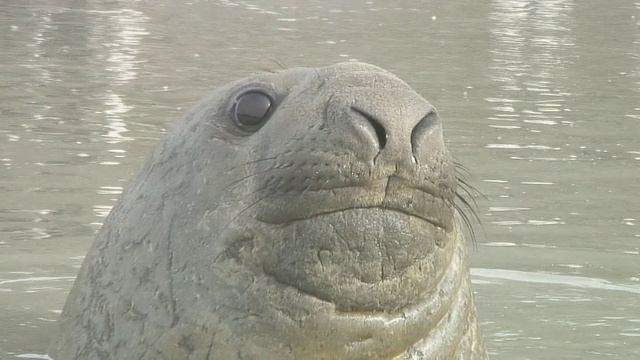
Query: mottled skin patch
point(325, 229)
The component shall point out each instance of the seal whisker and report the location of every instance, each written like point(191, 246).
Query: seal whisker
point(280, 63)
point(474, 213)
point(262, 172)
point(254, 162)
point(471, 191)
point(247, 177)
point(472, 205)
point(322, 80)
point(461, 167)
point(305, 190)
point(467, 223)
point(267, 70)
point(260, 189)
point(246, 209)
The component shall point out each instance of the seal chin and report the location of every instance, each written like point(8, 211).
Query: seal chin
point(360, 259)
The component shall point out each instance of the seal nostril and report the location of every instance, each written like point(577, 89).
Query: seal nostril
point(424, 128)
point(381, 133)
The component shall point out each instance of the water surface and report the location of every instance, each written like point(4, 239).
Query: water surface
point(541, 101)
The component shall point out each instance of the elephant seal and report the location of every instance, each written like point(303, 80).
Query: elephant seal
point(302, 214)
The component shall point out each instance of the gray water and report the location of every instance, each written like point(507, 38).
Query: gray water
point(540, 101)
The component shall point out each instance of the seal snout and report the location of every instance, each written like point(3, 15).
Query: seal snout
point(403, 136)
point(419, 133)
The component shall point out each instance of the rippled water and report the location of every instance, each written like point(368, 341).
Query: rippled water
point(541, 101)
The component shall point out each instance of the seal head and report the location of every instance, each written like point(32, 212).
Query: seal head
point(307, 213)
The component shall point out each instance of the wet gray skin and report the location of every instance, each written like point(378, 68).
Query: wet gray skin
point(303, 214)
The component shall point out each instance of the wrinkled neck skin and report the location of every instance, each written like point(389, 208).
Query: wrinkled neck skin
point(294, 324)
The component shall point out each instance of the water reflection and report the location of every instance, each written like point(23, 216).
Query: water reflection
point(116, 127)
point(531, 52)
point(116, 40)
point(530, 55)
point(636, 56)
point(118, 33)
point(68, 72)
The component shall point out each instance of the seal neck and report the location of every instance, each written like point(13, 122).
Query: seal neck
point(441, 326)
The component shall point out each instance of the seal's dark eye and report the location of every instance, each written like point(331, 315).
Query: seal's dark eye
point(251, 109)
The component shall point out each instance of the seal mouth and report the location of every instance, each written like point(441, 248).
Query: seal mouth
point(431, 204)
point(403, 211)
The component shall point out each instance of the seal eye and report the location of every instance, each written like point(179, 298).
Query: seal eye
point(251, 109)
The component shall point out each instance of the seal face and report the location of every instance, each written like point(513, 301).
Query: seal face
point(304, 214)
